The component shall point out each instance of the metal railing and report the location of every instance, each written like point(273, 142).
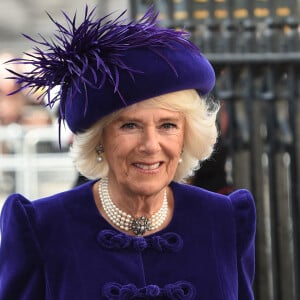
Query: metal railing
point(31, 162)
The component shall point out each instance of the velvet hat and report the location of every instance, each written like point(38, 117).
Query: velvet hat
point(104, 65)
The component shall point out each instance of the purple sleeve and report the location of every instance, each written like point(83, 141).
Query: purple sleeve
point(21, 268)
point(245, 216)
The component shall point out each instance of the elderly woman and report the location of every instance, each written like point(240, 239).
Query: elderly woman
point(134, 94)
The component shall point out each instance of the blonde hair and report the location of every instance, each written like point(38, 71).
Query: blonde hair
point(200, 134)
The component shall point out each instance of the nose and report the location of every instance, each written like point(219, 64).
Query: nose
point(150, 141)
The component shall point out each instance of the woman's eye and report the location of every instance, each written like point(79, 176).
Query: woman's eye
point(169, 125)
point(128, 126)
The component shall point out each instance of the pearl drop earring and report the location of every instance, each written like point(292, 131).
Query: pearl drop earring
point(180, 159)
point(100, 151)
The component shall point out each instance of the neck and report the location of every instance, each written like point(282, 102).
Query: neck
point(139, 224)
point(135, 204)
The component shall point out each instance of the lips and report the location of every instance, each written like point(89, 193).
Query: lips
point(147, 166)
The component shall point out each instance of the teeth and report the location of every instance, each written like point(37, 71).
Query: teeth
point(147, 167)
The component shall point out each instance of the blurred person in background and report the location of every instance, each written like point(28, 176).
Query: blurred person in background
point(19, 108)
point(10, 107)
point(35, 116)
point(136, 97)
point(19, 113)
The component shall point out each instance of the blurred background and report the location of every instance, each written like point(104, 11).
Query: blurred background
point(31, 162)
point(254, 47)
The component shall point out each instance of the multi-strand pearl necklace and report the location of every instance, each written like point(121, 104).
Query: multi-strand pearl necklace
point(140, 225)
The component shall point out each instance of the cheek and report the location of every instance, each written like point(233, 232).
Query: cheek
point(174, 147)
point(117, 149)
point(112, 152)
point(180, 141)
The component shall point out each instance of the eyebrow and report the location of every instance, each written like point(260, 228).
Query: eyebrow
point(170, 119)
point(134, 119)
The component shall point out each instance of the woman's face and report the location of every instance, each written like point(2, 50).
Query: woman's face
point(142, 147)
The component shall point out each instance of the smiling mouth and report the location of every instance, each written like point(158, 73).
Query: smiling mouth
point(147, 166)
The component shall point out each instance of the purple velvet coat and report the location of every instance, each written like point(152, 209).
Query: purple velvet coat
point(60, 248)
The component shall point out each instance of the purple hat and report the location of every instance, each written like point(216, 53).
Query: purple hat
point(104, 65)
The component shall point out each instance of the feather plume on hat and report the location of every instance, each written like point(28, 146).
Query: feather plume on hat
point(104, 65)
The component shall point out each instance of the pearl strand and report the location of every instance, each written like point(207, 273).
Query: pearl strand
point(127, 222)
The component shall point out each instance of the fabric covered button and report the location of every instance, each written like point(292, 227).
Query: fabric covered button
point(181, 290)
point(116, 291)
point(167, 242)
point(151, 290)
point(139, 243)
point(113, 240)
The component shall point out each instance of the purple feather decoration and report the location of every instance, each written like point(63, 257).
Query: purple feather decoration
point(93, 47)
